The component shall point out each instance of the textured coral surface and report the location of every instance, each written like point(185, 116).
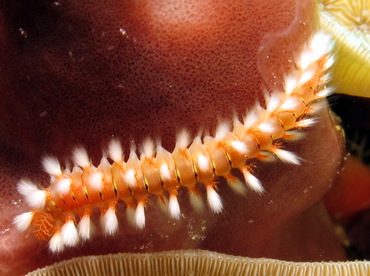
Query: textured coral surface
point(80, 72)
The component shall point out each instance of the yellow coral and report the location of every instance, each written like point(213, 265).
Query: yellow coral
point(349, 23)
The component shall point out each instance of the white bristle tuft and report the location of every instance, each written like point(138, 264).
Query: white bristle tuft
point(290, 104)
point(196, 201)
point(267, 157)
point(109, 221)
point(240, 147)
point(266, 128)
point(174, 207)
point(320, 45)
point(222, 130)
point(305, 60)
point(183, 139)
point(326, 78)
point(273, 101)
point(85, 227)
point(140, 215)
point(317, 107)
point(329, 62)
point(203, 163)
point(327, 91)
point(306, 76)
point(35, 197)
point(23, 221)
point(96, 181)
point(51, 165)
point(69, 233)
point(308, 122)
point(130, 177)
point(236, 185)
point(290, 85)
point(214, 200)
point(115, 151)
point(56, 243)
point(251, 118)
point(63, 185)
point(147, 148)
point(104, 165)
point(252, 181)
point(165, 172)
point(81, 158)
point(287, 156)
point(294, 135)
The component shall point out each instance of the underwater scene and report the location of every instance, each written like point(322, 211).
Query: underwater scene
point(171, 137)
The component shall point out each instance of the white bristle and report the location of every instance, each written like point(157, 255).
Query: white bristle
point(183, 139)
point(196, 201)
point(109, 221)
point(290, 104)
point(104, 164)
point(240, 147)
point(294, 135)
point(290, 84)
point(203, 163)
point(252, 181)
point(308, 122)
point(325, 92)
point(267, 157)
point(251, 118)
point(23, 221)
point(306, 76)
point(165, 172)
point(329, 62)
point(63, 185)
point(147, 148)
point(174, 207)
point(222, 130)
point(236, 185)
point(305, 60)
point(140, 215)
point(51, 165)
point(85, 227)
point(326, 78)
point(214, 200)
point(287, 156)
point(96, 181)
point(320, 45)
point(317, 106)
point(81, 158)
point(130, 177)
point(273, 101)
point(115, 151)
point(35, 197)
point(56, 243)
point(266, 127)
point(69, 233)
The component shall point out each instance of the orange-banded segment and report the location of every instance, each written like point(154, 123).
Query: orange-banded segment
point(202, 162)
point(216, 149)
point(184, 167)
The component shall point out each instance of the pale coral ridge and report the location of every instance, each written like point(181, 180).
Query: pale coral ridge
point(61, 213)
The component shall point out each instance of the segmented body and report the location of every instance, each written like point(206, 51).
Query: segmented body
point(73, 194)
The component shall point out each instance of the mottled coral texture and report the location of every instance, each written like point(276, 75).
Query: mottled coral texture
point(84, 71)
